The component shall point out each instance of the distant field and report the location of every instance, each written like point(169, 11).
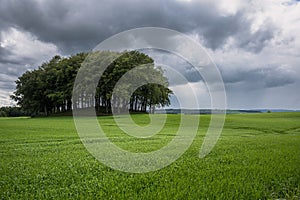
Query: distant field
point(257, 157)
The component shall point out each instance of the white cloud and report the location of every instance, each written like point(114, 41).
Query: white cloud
point(5, 98)
point(23, 45)
point(20, 51)
point(231, 7)
point(191, 95)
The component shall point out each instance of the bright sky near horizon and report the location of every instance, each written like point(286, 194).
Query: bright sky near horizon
point(255, 43)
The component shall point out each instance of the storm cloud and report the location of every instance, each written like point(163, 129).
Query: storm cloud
point(80, 25)
point(261, 77)
point(254, 43)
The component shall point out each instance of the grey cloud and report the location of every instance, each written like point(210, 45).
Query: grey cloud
point(75, 26)
point(14, 70)
point(268, 77)
point(217, 34)
point(277, 77)
point(7, 57)
point(177, 63)
point(256, 41)
point(79, 26)
point(2, 96)
point(7, 86)
point(4, 53)
point(7, 80)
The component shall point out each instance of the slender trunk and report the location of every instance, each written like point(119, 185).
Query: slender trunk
point(69, 104)
point(46, 110)
point(136, 104)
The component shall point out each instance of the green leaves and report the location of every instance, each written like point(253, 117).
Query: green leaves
point(49, 88)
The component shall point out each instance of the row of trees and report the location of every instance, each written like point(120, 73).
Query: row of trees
point(50, 88)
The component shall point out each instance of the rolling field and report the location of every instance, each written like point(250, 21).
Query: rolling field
point(256, 157)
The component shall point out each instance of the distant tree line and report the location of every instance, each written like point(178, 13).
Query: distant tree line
point(12, 111)
point(49, 89)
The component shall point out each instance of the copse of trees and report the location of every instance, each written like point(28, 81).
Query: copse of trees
point(49, 89)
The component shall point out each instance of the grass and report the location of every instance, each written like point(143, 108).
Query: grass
point(257, 157)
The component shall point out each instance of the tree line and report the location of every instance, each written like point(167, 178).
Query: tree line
point(50, 88)
point(12, 111)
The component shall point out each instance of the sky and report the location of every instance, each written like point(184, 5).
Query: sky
point(255, 44)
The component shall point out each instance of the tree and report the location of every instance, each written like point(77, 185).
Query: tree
point(49, 88)
point(12, 111)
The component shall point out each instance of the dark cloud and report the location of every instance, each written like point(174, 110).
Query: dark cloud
point(175, 62)
point(267, 77)
point(259, 77)
point(7, 85)
point(4, 53)
point(73, 26)
point(79, 25)
point(7, 81)
point(13, 70)
point(257, 40)
point(7, 57)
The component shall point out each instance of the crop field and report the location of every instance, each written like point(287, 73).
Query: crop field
point(256, 157)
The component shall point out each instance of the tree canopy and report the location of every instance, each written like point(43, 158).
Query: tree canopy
point(49, 88)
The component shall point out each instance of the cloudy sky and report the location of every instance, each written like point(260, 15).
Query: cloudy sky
point(255, 43)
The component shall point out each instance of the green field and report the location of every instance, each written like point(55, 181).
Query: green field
point(256, 157)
